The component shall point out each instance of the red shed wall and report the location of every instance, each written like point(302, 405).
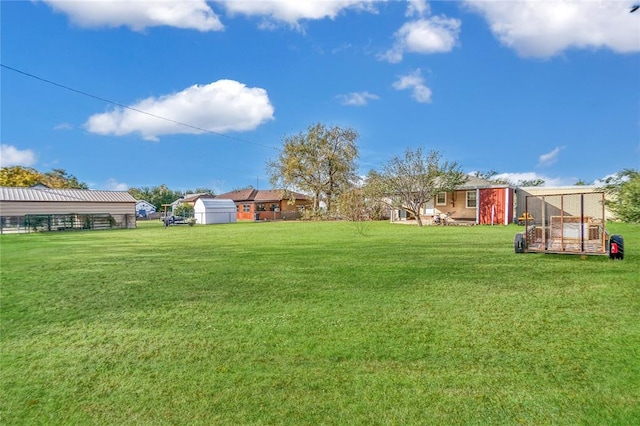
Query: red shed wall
point(500, 202)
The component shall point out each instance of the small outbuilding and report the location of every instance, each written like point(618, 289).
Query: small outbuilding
point(40, 208)
point(268, 204)
point(208, 211)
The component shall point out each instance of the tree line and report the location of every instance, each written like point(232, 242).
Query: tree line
point(322, 162)
point(19, 176)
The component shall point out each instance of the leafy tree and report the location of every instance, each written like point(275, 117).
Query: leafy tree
point(410, 181)
point(157, 195)
point(530, 182)
point(490, 176)
point(624, 195)
point(320, 162)
point(199, 190)
point(142, 193)
point(486, 175)
point(581, 182)
point(27, 176)
point(184, 210)
point(59, 178)
point(19, 176)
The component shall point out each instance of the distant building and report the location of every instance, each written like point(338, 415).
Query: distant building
point(144, 208)
point(208, 211)
point(476, 202)
point(41, 208)
point(189, 199)
point(268, 204)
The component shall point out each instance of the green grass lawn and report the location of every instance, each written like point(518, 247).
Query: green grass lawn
point(315, 323)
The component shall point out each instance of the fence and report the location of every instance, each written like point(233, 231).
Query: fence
point(62, 222)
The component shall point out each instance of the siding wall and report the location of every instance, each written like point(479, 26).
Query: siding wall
point(522, 193)
point(22, 208)
point(456, 206)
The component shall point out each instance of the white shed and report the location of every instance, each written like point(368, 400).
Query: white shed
point(212, 210)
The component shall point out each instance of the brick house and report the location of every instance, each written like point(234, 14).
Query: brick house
point(268, 204)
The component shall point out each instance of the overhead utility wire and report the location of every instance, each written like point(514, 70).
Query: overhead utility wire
point(134, 109)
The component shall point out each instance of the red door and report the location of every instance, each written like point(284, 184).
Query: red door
point(495, 206)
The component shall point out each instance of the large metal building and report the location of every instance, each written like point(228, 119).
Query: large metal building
point(40, 208)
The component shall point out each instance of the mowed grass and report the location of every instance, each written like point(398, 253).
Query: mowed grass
point(315, 323)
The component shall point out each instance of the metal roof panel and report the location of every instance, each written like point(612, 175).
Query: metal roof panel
point(64, 195)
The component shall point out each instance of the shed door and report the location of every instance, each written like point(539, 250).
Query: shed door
point(492, 206)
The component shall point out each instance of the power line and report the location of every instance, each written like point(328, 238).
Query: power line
point(180, 123)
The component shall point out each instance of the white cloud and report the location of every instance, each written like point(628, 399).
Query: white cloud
point(427, 35)
point(113, 185)
point(536, 28)
point(550, 157)
point(414, 82)
point(418, 8)
point(357, 98)
point(140, 14)
point(293, 11)
point(222, 106)
point(12, 156)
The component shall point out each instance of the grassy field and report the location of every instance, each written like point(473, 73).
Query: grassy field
point(315, 323)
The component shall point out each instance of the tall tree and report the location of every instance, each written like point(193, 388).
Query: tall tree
point(410, 181)
point(624, 195)
point(321, 162)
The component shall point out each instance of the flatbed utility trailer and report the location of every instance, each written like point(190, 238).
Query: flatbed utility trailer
point(568, 224)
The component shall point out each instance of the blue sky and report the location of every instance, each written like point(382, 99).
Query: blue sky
point(531, 89)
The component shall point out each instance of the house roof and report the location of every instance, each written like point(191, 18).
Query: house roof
point(261, 195)
point(194, 197)
point(474, 182)
point(241, 195)
point(64, 195)
point(215, 204)
point(191, 198)
point(277, 195)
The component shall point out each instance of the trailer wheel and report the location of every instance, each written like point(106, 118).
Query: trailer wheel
point(519, 243)
point(616, 247)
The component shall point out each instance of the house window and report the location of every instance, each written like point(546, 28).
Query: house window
point(471, 200)
point(441, 199)
point(273, 207)
point(261, 208)
point(246, 208)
